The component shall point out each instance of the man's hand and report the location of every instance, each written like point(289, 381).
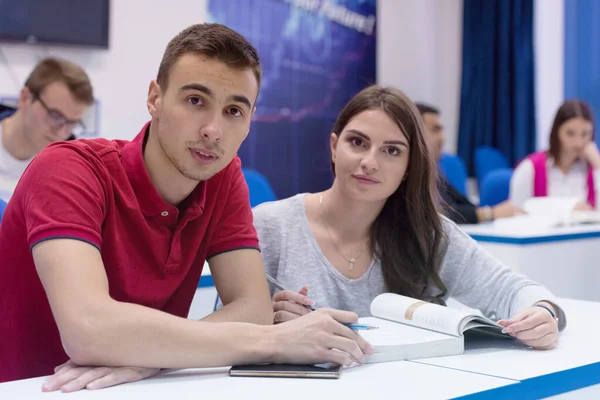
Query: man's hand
point(318, 337)
point(506, 209)
point(70, 377)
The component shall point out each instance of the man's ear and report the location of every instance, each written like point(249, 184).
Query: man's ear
point(154, 99)
point(333, 140)
point(24, 98)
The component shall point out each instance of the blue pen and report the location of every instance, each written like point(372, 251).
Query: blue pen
point(354, 327)
point(280, 287)
point(361, 327)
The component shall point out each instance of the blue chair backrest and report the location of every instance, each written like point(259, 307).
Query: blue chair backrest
point(259, 187)
point(495, 187)
point(488, 159)
point(2, 207)
point(453, 168)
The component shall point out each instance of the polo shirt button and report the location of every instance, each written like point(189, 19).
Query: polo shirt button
point(164, 213)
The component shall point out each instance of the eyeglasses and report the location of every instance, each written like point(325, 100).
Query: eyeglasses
point(57, 120)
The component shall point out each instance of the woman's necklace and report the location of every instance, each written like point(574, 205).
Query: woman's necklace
point(352, 260)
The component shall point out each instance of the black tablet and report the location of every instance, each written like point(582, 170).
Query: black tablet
point(326, 371)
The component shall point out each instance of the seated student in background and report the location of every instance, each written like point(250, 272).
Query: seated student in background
point(458, 208)
point(378, 229)
point(50, 107)
point(570, 167)
point(103, 242)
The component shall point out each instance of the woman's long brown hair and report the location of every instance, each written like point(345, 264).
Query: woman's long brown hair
point(408, 237)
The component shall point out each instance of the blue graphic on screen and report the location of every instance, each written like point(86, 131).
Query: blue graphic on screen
point(316, 54)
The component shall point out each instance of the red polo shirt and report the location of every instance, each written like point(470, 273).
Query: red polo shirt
point(99, 191)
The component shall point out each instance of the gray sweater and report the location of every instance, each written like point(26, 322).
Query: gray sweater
point(472, 276)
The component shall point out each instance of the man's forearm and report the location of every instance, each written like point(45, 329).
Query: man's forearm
point(253, 310)
point(127, 334)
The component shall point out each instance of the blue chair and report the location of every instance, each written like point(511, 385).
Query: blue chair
point(488, 159)
point(260, 192)
point(2, 208)
point(259, 187)
point(453, 168)
point(495, 187)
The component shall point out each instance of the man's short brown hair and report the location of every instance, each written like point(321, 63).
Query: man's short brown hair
point(215, 41)
point(50, 70)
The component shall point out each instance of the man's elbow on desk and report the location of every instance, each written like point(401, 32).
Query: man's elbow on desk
point(86, 337)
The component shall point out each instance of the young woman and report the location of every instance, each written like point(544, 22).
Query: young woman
point(570, 167)
point(378, 229)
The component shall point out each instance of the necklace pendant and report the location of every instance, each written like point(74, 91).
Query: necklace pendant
point(351, 265)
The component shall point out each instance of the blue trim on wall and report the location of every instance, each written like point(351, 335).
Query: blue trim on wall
point(535, 240)
point(545, 385)
point(206, 281)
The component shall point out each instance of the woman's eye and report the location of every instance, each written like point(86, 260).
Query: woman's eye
point(357, 142)
point(393, 151)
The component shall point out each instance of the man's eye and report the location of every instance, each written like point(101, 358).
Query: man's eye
point(194, 101)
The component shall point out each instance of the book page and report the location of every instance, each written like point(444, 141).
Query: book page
point(391, 334)
point(406, 310)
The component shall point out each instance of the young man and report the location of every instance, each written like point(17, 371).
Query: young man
point(460, 209)
point(103, 242)
point(50, 108)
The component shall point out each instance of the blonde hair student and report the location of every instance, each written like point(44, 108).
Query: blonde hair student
point(378, 229)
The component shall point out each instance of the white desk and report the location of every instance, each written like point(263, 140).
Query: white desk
point(498, 369)
point(578, 346)
point(563, 259)
point(405, 379)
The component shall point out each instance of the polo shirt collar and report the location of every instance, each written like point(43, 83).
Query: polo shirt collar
point(150, 201)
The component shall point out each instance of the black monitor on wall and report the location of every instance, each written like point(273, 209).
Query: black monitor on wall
point(58, 22)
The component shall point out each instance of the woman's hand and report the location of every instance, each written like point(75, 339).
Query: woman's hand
point(583, 207)
point(534, 326)
point(591, 154)
point(288, 305)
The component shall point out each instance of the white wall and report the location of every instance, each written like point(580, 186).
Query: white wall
point(418, 43)
point(549, 39)
point(139, 33)
point(419, 51)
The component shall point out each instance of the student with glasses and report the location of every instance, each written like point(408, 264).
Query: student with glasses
point(50, 108)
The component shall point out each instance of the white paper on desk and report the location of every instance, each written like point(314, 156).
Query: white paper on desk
point(543, 213)
point(558, 211)
point(557, 208)
point(527, 223)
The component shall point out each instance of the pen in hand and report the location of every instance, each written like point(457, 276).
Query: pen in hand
point(353, 326)
point(280, 287)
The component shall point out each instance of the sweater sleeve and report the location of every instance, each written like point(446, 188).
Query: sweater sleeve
point(270, 237)
point(477, 279)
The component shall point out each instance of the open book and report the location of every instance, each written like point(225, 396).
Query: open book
point(411, 329)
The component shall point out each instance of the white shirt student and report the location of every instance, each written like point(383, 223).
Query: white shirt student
point(51, 105)
point(571, 166)
point(11, 170)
